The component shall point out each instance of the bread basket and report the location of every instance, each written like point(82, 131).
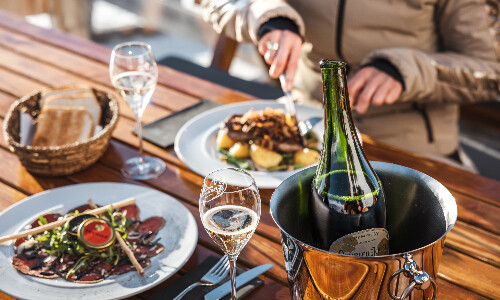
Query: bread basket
point(65, 159)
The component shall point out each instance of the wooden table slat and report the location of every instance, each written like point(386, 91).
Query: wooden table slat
point(462, 181)
point(467, 272)
point(475, 242)
point(450, 291)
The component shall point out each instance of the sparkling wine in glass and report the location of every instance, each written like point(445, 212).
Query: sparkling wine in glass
point(230, 212)
point(133, 72)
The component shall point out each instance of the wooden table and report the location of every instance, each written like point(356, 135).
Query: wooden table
point(32, 58)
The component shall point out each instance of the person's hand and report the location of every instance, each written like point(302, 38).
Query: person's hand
point(281, 50)
point(370, 86)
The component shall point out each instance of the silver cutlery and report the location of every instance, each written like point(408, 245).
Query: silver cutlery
point(241, 280)
point(289, 104)
point(307, 125)
point(215, 275)
point(304, 126)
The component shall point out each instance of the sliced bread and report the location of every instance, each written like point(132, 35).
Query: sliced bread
point(57, 126)
point(78, 100)
point(70, 91)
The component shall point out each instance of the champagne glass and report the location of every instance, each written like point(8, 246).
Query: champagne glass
point(230, 212)
point(133, 72)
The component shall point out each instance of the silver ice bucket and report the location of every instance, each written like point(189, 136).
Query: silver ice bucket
point(420, 212)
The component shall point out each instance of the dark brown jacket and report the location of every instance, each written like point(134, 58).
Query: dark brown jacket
point(447, 51)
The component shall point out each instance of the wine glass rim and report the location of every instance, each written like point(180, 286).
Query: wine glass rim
point(243, 188)
point(232, 169)
point(131, 43)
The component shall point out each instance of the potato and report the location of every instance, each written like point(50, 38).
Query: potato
point(223, 140)
point(305, 157)
point(264, 158)
point(240, 150)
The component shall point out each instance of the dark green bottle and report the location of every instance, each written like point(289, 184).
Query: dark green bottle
point(348, 202)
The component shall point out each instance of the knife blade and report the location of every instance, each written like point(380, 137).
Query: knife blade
point(241, 280)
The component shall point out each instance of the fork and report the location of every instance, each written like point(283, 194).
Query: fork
point(215, 275)
point(307, 125)
point(289, 104)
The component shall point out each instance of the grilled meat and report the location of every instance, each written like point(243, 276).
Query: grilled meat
point(270, 129)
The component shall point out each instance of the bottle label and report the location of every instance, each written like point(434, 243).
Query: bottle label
point(368, 242)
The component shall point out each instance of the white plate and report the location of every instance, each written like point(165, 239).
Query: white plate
point(195, 142)
point(179, 236)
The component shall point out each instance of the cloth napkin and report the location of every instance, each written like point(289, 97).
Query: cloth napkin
point(162, 132)
point(175, 288)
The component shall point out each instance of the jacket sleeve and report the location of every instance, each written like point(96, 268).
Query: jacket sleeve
point(466, 69)
point(241, 19)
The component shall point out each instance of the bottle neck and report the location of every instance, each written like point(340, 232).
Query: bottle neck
point(343, 176)
point(340, 135)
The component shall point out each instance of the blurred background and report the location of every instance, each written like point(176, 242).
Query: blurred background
point(175, 29)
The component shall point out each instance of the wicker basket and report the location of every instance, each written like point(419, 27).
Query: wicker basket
point(59, 160)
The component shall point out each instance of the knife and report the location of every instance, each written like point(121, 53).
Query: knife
point(241, 280)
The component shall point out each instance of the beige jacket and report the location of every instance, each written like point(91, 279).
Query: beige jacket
point(447, 51)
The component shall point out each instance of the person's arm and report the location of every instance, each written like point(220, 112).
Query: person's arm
point(467, 69)
point(266, 23)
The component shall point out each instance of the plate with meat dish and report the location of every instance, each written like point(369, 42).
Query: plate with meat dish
point(161, 233)
point(253, 135)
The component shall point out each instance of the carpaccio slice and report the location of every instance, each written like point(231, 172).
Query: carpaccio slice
point(152, 224)
point(146, 231)
point(80, 208)
point(126, 266)
point(65, 263)
point(132, 211)
point(50, 217)
point(89, 274)
point(144, 251)
point(36, 262)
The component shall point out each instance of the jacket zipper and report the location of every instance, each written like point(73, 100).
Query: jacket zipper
point(340, 24)
point(422, 109)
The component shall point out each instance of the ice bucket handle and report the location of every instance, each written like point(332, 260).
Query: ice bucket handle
point(419, 279)
point(291, 252)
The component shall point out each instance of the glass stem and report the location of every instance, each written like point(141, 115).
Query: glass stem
point(232, 273)
point(139, 135)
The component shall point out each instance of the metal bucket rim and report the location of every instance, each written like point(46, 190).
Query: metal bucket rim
point(452, 215)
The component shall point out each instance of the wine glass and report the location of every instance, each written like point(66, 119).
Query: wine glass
point(230, 212)
point(133, 72)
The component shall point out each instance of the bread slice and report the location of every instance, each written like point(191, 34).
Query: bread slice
point(78, 100)
point(57, 126)
point(70, 91)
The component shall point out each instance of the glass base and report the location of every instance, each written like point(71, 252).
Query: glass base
point(142, 169)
